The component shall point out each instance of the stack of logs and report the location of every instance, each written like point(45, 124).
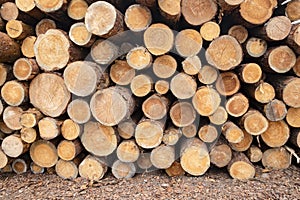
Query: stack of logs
point(178, 85)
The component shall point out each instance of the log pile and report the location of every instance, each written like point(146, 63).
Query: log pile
point(178, 85)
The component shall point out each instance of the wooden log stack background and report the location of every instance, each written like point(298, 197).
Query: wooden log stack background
point(178, 85)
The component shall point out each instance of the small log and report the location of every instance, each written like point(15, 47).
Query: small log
point(293, 39)
point(149, 133)
point(250, 73)
point(292, 117)
point(237, 105)
point(77, 9)
point(158, 39)
point(139, 58)
point(123, 170)
point(68, 150)
point(183, 86)
point(128, 151)
point(198, 12)
point(182, 114)
point(276, 158)
point(19, 166)
point(13, 146)
point(292, 10)
point(121, 73)
point(27, 47)
point(70, 130)
point(228, 83)
point(171, 136)
point(210, 30)
point(162, 87)
point(244, 144)
point(148, 3)
point(254, 154)
point(188, 42)
point(249, 11)
point(44, 25)
point(25, 69)
point(206, 101)
point(79, 34)
point(10, 11)
point(92, 168)
point(49, 7)
point(14, 93)
point(75, 77)
point(224, 53)
point(287, 89)
point(163, 156)
point(3, 159)
point(207, 75)
point(232, 132)
point(112, 105)
point(175, 169)
point(219, 117)
point(79, 111)
point(141, 85)
point(192, 65)
point(256, 47)
point(4, 129)
point(277, 134)
point(262, 92)
point(276, 29)
point(66, 169)
point(155, 107)
point(275, 110)
point(189, 131)
point(239, 32)
point(5, 73)
point(43, 153)
point(9, 49)
point(164, 66)
point(279, 59)
point(254, 122)
point(103, 19)
point(295, 137)
point(11, 117)
point(94, 132)
point(49, 128)
point(240, 167)
point(194, 157)
point(126, 129)
point(28, 7)
point(30, 118)
point(104, 51)
point(208, 133)
point(35, 169)
point(170, 10)
point(137, 17)
point(296, 67)
point(28, 135)
point(220, 154)
point(18, 30)
point(53, 50)
point(144, 161)
point(49, 88)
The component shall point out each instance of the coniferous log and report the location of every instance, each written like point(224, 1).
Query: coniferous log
point(208, 133)
point(183, 86)
point(43, 153)
point(250, 73)
point(128, 151)
point(219, 117)
point(162, 87)
point(79, 111)
point(292, 117)
point(155, 107)
point(293, 39)
point(244, 144)
point(14, 93)
point(188, 42)
point(27, 47)
point(254, 154)
point(262, 92)
point(70, 130)
point(20, 166)
point(144, 161)
point(254, 122)
point(189, 131)
point(139, 58)
point(44, 25)
point(3, 159)
point(121, 73)
point(49, 128)
point(239, 32)
point(175, 169)
point(228, 83)
point(255, 47)
point(182, 114)
point(137, 17)
point(295, 137)
point(162, 156)
point(207, 75)
point(68, 150)
point(28, 135)
point(9, 49)
point(220, 154)
point(123, 170)
point(192, 65)
point(79, 34)
point(11, 117)
point(240, 167)
point(210, 30)
point(237, 105)
point(141, 85)
point(171, 136)
point(232, 132)
point(276, 158)
point(291, 10)
point(66, 169)
point(30, 118)
point(275, 110)
point(13, 146)
point(126, 129)
point(25, 69)
point(77, 9)
point(277, 134)
point(164, 66)
point(35, 169)
point(18, 30)
point(104, 51)
point(92, 168)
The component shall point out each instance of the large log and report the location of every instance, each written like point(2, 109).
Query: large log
point(276, 158)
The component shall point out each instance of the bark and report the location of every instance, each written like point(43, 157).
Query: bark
point(9, 49)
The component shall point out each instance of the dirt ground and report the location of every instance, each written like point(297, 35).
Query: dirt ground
point(215, 184)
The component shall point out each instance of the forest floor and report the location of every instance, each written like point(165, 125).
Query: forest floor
point(215, 184)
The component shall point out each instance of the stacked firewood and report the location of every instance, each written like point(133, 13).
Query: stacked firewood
point(178, 85)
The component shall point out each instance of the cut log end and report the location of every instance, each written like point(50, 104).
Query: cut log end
point(66, 150)
point(206, 101)
point(44, 25)
point(164, 66)
point(70, 130)
point(47, 6)
point(66, 169)
point(18, 30)
point(281, 59)
point(239, 32)
point(220, 155)
point(28, 135)
point(208, 133)
point(126, 129)
point(27, 47)
point(292, 9)
point(210, 30)
point(198, 12)
point(256, 47)
point(11, 118)
point(277, 134)
point(43, 153)
point(276, 158)
point(25, 69)
point(139, 58)
point(219, 117)
point(207, 75)
point(79, 34)
point(128, 151)
point(158, 39)
point(278, 28)
point(291, 93)
point(237, 105)
point(182, 114)
point(228, 83)
point(121, 73)
point(188, 42)
point(232, 132)
point(275, 110)
point(13, 93)
point(175, 170)
point(192, 65)
point(292, 117)
point(254, 122)
point(137, 17)
point(264, 93)
point(123, 170)
point(189, 131)
point(162, 156)
point(224, 53)
point(251, 73)
point(48, 128)
point(155, 107)
point(141, 85)
point(35, 169)
point(92, 168)
point(254, 154)
point(183, 86)
point(241, 168)
point(79, 111)
point(19, 166)
point(77, 9)
point(162, 87)
point(3, 159)
point(244, 144)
